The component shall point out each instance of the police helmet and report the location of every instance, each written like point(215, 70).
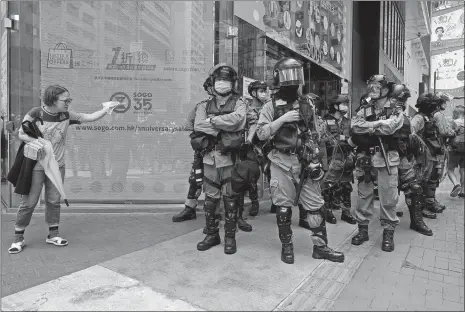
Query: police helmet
point(224, 72)
point(288, 72)
point(256, 85)
point(400, 92)
point(376, 84)
point(337, 100)
point(427, 100)
point(208, 85)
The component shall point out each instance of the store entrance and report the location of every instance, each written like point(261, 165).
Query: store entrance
point(324, 84)
point(317, 79)
point(274, 52)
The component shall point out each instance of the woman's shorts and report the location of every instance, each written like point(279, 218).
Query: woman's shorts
point(456, 159)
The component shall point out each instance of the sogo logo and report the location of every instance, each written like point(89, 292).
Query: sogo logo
point(143, 102)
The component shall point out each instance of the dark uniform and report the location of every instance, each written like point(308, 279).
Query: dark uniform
point(287, 120)
point(337, 184)
point(250, 150)
point(429, 163)
point(408, 180)
point(373, 127)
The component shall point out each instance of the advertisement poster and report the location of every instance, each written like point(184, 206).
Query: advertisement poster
point(450, 71)
point(152, 57)
point(318, 30)
point(447, 28)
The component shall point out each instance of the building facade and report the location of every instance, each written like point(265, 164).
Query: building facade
point(447, 50)
point(152, 56)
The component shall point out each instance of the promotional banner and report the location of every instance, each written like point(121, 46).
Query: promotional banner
point(447, 49)
point(447, 28)
point(449, 67)
point(317, 30)
point(152, 57)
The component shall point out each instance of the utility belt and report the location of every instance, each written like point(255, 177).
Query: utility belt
point(289, 151)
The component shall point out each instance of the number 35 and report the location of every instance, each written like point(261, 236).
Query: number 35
point(140, 102)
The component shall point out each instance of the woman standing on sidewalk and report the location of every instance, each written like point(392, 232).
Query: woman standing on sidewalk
point(56, 121)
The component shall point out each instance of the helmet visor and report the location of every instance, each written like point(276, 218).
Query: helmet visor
point(291, 76)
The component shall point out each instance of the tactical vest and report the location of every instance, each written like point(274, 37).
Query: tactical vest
point(335, 129)
point(365, 141)
point(405, 131)
point(287, 136)
point(430, 134)
point(228, 141)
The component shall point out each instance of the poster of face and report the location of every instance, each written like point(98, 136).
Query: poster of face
point(447, 28)
point(153, 60)
point(450, 71)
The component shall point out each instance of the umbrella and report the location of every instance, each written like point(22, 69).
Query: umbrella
point(52, 170)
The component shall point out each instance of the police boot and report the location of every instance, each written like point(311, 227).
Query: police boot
point(218, 218)
point(273, 208)
point(388, 240)
point(362, 235)
point(188, 213)
point(438, 207)
point(347, 217)
point(416, 219)
point(212, 223)
point(230, 225)
point(303, 218)
point(283, 219)
point(321, 250)
point(431, 206)
point(254, 208)
point(241, 224)
point(400, 214)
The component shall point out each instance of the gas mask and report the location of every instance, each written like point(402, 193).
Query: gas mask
point(316, 172)
point(375, 91)
point(289, 93)
point(223, 87)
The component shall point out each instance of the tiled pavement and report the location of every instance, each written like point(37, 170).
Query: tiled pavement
point(423, 273)
point(93, 238)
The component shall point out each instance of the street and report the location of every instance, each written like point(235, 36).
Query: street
point(146, 262)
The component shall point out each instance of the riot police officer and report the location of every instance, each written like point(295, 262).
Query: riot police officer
point(220, 122)
point(408, 147)
point(429, 163)
point(286, 119)
point(249, 151)
point(337, 184)
point(373, 128)
point(196, 173)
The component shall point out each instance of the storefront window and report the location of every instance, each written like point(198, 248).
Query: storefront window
point(152, 57)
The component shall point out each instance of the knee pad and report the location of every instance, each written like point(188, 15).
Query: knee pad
point(416, 188)
point(210, 205)
point(284, 212)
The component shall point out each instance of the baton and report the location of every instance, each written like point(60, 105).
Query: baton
point(383, 152)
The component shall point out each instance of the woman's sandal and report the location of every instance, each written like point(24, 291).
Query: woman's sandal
point(57, 241)
point(16, 247)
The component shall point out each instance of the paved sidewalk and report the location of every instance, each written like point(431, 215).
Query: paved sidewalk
point(145, 262)
point(423, 273)
point(93, 238)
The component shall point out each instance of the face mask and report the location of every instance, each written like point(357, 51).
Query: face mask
point(223, 87)
point(343, 109)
